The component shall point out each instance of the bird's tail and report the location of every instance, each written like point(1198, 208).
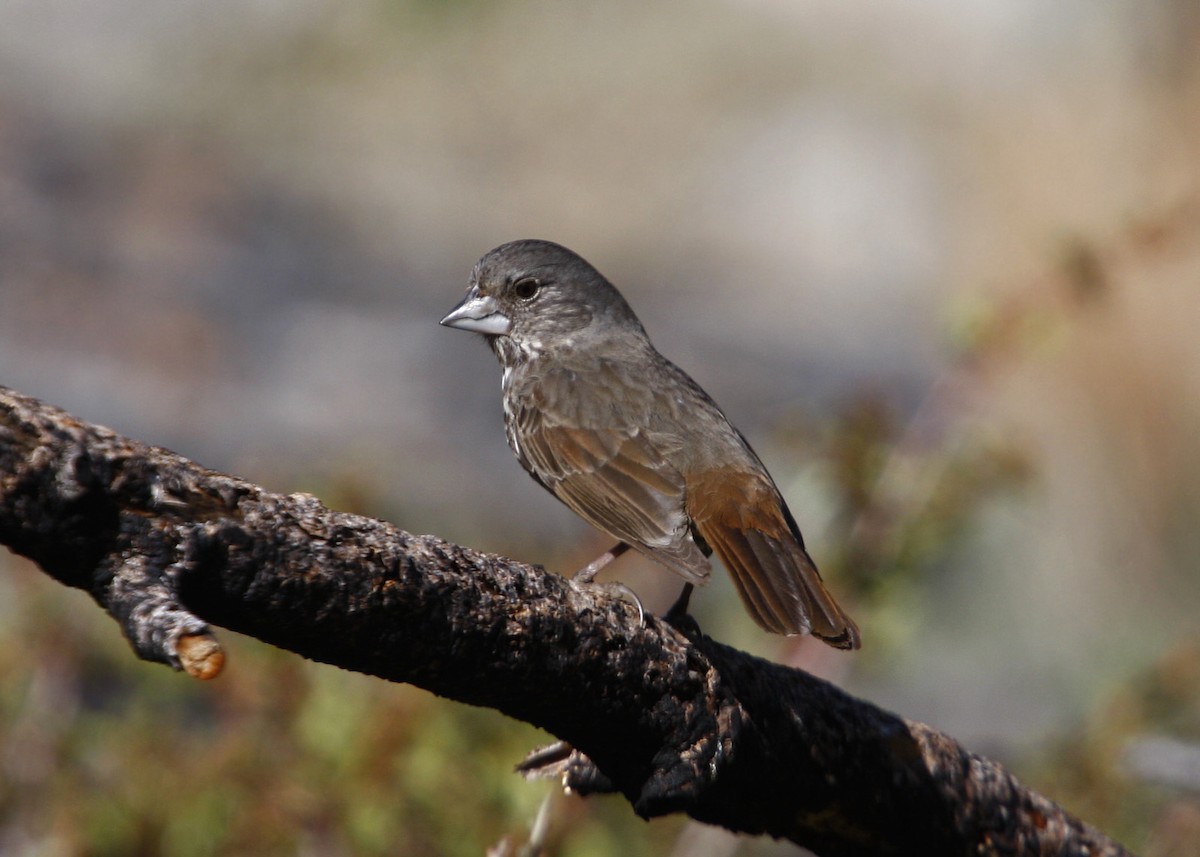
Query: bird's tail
point(780, 586)
point(744, 519)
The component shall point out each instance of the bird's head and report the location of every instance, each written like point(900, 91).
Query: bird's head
point(540, 296)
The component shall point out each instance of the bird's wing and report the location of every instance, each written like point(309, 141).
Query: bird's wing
point(617, 482)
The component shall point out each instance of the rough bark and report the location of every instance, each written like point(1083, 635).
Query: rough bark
point(667, 717)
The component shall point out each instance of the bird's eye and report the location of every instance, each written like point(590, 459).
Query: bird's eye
point(526, 288)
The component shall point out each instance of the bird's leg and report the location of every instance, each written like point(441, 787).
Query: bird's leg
point(678, 614)
point(680, 607)
point(588, 573)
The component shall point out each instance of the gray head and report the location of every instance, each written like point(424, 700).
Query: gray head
point(541, 295)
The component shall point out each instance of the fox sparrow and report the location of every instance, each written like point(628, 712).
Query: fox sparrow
point(631, 443)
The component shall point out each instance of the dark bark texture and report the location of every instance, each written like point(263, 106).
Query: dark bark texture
point(667, 717)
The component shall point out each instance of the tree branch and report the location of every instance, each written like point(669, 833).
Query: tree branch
point(671, 719)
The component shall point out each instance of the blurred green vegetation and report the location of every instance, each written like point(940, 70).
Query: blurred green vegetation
point(103, 755)
point(1090, 773)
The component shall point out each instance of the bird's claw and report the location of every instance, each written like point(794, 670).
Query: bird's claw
point(620, 590)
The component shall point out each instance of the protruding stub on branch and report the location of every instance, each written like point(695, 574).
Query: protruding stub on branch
point(575, 771)
point(200, 655)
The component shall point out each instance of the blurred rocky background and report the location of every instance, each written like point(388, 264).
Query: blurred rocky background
point(939, 261)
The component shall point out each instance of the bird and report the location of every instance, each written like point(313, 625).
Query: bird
point(629, 442)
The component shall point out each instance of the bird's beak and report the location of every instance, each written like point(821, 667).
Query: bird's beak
point(479, 314)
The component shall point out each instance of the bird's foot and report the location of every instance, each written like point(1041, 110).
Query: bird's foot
point(618, 590)
point(586, 576)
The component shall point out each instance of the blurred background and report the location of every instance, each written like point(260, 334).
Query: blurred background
point(939, 261)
